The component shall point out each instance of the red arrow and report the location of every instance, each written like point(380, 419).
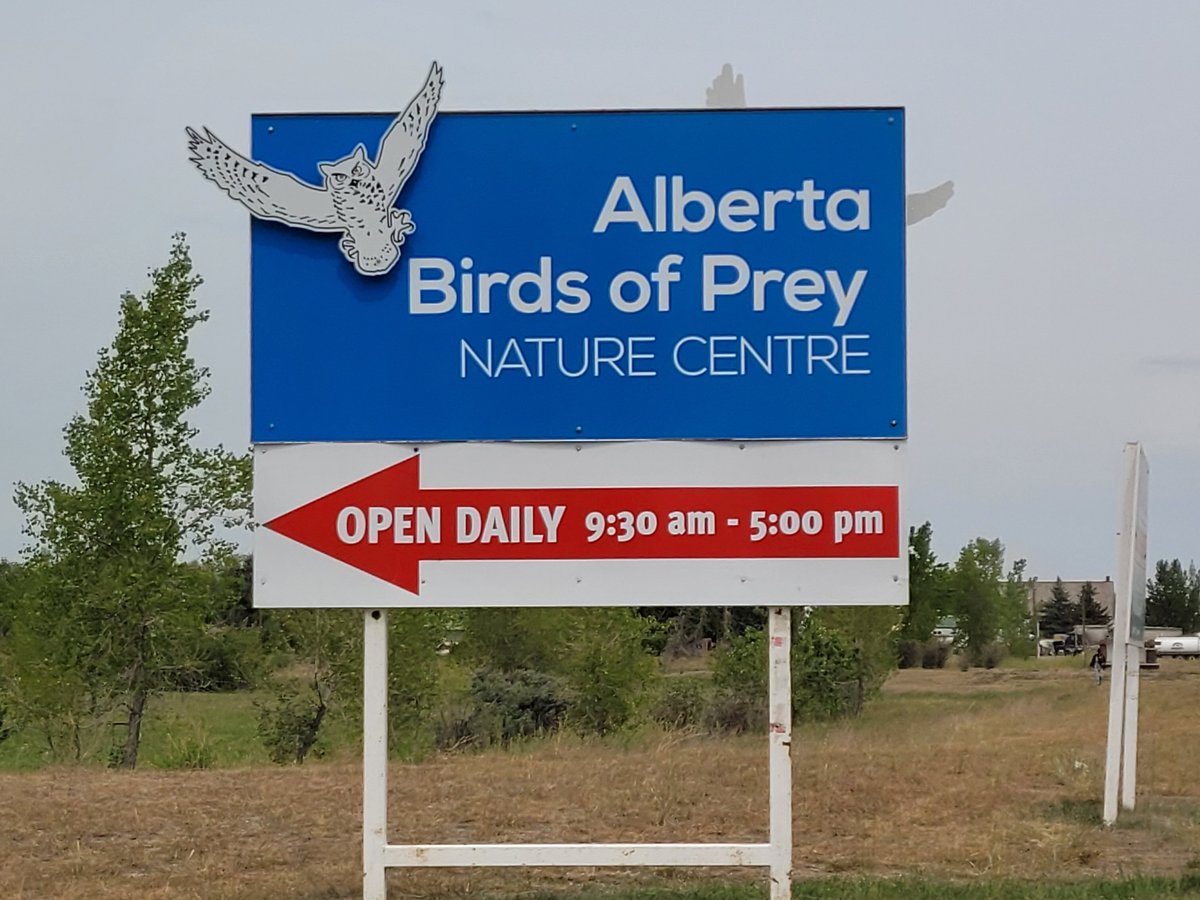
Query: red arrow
point(386, 524)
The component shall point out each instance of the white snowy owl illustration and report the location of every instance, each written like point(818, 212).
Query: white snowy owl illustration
point(358, 197)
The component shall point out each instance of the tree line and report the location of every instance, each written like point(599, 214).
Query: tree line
point(131, 587)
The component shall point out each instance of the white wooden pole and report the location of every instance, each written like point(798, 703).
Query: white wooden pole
point(1133, 675)
point(1120, 773)
point(1116, 710)
point(375, 754)
point(780, 706)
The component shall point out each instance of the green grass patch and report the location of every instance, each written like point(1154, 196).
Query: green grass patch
point(1083, 812)
point(914, 889)
point(180, 731)
point(1046, 663)
point(202, 731)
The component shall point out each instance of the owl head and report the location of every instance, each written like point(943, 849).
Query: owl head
point(346, 174)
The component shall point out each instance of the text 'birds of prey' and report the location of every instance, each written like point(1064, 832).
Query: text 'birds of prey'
point(357, 197)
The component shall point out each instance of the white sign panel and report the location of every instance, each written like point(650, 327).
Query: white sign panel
point(1129, 619)
point(592, 524)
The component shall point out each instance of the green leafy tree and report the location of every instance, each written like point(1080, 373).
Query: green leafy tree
point(1173, 597)
point(1016, 621)
point(120, 611)
point(1061, 614)
point(927, 586)
point(977, 585)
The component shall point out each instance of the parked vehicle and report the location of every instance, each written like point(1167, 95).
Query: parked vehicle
point(1183, 647)
point(1067, 644)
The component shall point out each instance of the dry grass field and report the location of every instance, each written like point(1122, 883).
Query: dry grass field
point(961, 775)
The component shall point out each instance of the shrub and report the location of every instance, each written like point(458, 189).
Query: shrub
point(930, 654)
point(6, 719)
point(609, 670)
point(987, 656)
point(829, 676)
point(910, 653)
point(740, 677)
point(991, 655)
point(226, 659)
point(289, 725)
point(511, 705)
point(190, 751)
point(531, 638)
point(681, 703)
point(740, 664)
point(736, 713)
point(935, 653)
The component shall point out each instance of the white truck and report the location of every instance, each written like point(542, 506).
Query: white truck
point(1186, 646)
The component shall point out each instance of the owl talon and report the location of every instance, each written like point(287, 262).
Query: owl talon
point(348, 249)
point(401, 223)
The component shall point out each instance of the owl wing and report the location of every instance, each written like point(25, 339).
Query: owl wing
point(402, 145)
point(925, 204)
point(726, 92)
point(266, 192)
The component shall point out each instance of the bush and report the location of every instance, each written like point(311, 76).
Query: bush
point(681, 703)
point(935, 653)
point(910, 653)
point(188, 752)
point(991, 655)
point(739, 703)
point(501, 707)
point(987, 656)
point(290, 724)
point(5, 723)
point(740, 664)
point(226, 659)
point(736, 713)
point(518, 704)
point(602, 653)
point(530, 638)
point(829, 677)
point(610, 672)
point(930, 654)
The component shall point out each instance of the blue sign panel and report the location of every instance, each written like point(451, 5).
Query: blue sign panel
point(713, 274)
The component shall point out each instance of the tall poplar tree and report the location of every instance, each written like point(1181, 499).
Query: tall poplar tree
point(928, 587)
point(121, 604)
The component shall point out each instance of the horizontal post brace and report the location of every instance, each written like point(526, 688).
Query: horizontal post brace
point(450, 855)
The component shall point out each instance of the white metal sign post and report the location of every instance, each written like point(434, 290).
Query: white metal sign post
point(1120, 769)
point(379, 855)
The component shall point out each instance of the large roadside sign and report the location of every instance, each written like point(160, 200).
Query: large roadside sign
point(592, 358)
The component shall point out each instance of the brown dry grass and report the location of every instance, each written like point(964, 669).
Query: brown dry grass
point(950, 774)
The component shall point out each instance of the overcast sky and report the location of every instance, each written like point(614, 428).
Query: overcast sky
point(1052, 305)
